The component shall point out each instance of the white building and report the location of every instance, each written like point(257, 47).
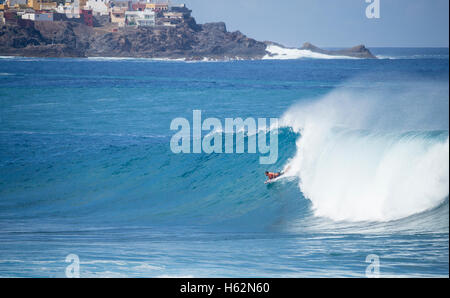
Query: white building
point(99, 7)
point(38, 16)
point(71, 10)
point(12, 3)
point(143, 18)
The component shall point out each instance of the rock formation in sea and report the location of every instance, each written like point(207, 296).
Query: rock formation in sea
point(359, 51)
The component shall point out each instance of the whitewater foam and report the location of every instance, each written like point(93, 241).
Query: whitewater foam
point(354, 168)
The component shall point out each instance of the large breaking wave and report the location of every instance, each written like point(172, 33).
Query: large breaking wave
point(373, 155)
point(357, 154)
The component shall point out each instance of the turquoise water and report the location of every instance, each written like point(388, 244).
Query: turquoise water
point(86, 168)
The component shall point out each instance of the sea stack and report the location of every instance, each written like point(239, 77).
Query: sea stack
point(359, 51)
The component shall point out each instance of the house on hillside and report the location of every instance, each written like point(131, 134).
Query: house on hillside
point(99, 7)
point(145, 18)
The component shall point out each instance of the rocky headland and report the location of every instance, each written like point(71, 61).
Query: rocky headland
point(188, 40)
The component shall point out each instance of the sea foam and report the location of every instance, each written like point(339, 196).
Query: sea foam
point(372, 156)
point(281, 53)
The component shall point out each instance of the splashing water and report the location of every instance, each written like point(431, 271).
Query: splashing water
point(358, 158)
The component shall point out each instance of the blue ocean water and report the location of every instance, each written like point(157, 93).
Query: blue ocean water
point(86, 168)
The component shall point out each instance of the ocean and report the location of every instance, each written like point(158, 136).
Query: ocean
point(86, 168)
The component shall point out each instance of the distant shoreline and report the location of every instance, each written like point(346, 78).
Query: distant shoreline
point(187, 41)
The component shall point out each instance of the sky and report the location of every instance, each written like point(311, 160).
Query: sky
point(331, 23)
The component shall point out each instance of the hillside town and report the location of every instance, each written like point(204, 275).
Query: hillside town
point(129, 28)
point(117, 28)
point(110, 14)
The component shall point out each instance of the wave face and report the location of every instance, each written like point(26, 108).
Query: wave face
point(359, 159)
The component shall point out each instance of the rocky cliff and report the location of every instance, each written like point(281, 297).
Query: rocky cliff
point(70, 39)
point(187, 40)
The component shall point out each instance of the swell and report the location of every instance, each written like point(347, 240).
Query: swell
point(367, 156)
point(140, 182)
point(136, 180)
